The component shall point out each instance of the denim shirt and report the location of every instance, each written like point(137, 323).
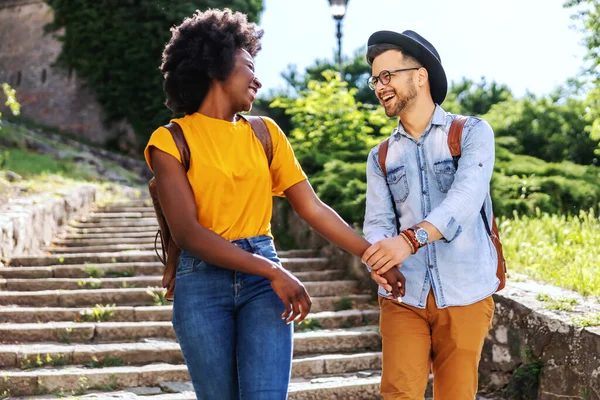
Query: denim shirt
point(461, 267)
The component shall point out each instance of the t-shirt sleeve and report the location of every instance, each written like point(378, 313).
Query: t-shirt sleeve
point(285, 168)
point(162, 140)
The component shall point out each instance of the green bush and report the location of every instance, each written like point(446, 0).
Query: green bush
point(332, 135)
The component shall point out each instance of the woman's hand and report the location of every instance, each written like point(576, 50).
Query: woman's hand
point(293, 294)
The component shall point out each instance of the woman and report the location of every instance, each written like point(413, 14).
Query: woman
point(231, 288)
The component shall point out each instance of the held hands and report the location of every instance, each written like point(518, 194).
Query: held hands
point(392, 281)
point(293, 294)
point(387, 253)
point(383, 257)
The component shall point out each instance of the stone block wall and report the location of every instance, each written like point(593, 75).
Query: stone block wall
point(29, 223)
point(48, 95)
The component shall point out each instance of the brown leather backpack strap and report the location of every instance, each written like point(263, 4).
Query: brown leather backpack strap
point(455, 137)
point(261, 130)
point(181, 143)
point(383, 150)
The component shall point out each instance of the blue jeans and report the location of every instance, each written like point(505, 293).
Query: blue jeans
point(229, 326)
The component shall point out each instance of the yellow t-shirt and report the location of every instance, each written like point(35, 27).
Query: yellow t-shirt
point(229, 172)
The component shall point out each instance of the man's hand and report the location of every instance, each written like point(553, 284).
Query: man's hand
point(386, 254)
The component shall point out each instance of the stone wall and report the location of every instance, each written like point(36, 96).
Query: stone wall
point(535, 351)
point(532, 352)
point(29, 223)
point(48, 95)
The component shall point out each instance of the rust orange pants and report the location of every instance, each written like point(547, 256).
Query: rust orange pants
point(449, 339)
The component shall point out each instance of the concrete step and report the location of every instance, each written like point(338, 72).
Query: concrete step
point(364, 339)
point(315, 289)
point(140, 297)
point(56, 324)
point(83, 270)
point(67, 379)
point(145, 256)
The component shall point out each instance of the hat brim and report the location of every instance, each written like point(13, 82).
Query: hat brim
point(437, 76)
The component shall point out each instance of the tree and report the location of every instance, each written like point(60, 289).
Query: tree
point(332, 134)
point(587, 13)
point(552, 127)
point(356, 72)
point(116, 47)
point(469, 98)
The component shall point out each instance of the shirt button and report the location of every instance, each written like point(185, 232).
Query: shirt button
point(424, 192)
point(422, 168)
point(418, 144)
point(430, 266)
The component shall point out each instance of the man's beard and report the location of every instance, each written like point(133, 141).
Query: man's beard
point(402, 102)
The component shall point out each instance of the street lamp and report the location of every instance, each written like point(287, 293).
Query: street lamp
point(338, 10)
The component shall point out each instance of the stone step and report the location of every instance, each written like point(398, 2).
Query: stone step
point(103, 233)
point(83, 270)
point(109, 240)
point(327, 288)
point(138, 256)
point(111, 215)
point(153, 351)
point(351, 386)
point(116, 223)
point(140, 297)
point(144, 202)
point(70, 378)
point(109, 248)
point(80, 297)
point(56, 324)
point(84, 258)
point(125, 209)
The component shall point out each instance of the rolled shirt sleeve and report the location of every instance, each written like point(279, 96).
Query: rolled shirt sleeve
point(471, 182)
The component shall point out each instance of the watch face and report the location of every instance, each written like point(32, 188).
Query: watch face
point(422, 236)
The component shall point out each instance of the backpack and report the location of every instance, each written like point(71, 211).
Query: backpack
point(454, 139)
point(170, 252)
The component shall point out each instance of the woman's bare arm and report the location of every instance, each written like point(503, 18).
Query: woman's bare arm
point(178, 205)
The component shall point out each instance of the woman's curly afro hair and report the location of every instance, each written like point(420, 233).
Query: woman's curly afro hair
point(203, 48)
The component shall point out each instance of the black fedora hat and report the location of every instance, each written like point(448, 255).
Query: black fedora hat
point(416, 45)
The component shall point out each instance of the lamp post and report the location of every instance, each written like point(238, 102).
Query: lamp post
point(338, 10)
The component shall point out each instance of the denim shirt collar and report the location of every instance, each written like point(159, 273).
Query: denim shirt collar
point(438, 118)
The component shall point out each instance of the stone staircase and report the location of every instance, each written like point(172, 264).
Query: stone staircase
point(88, 320)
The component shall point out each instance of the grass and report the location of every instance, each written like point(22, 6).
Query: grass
point(557, 304)
point(158, 297)
point(560, 250)
point(100, 313)
point(344, 303)
point(43, 361)
point(107, 361)
point(586, 320)
point(307, 325)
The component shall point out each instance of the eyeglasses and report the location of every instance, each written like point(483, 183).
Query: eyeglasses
point(385, 77)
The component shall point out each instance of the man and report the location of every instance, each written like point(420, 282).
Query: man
point(423, 217)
